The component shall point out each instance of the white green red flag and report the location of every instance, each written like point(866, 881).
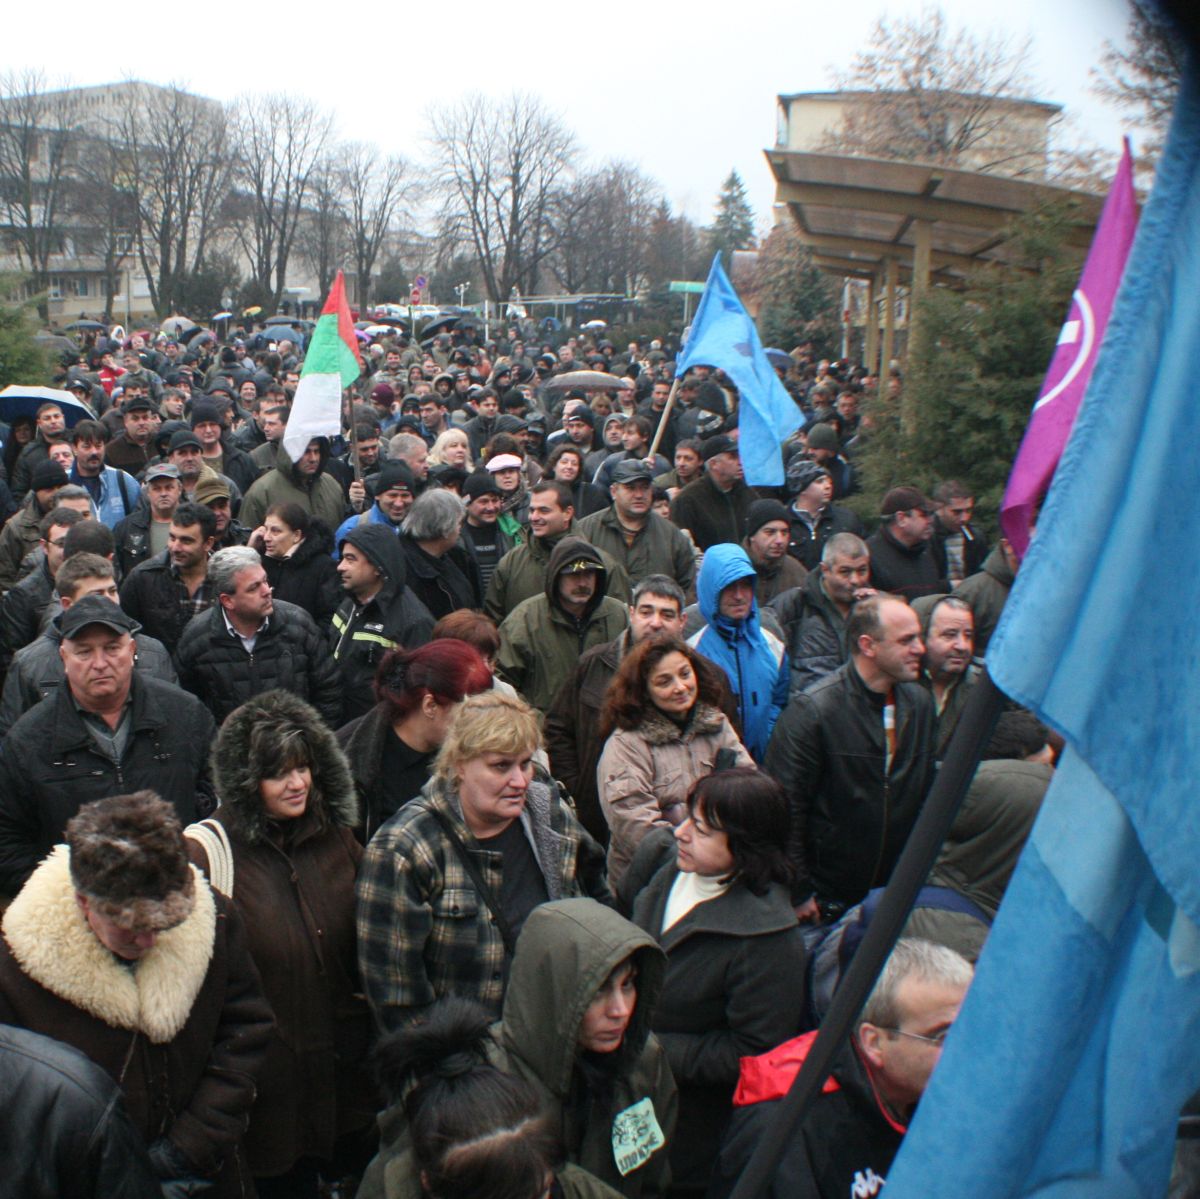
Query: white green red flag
point(331, 363)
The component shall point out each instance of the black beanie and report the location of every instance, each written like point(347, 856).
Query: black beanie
point(762, 512)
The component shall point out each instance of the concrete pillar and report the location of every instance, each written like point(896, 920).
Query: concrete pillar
point(922, 258)
point(889, 325)
point(871, 327)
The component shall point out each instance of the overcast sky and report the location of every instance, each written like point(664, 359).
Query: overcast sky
point(686, 93)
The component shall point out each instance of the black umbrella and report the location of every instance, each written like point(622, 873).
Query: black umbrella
point(86, 326)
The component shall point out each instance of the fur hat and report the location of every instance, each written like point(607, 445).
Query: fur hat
point(128, 857)
point(260, 734)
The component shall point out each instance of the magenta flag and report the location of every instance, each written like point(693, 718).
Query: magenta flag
point(1071, 367)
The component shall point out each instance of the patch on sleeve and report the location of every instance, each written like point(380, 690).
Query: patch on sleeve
point(636, 1136)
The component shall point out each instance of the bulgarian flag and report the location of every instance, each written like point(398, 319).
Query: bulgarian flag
point(331, 364)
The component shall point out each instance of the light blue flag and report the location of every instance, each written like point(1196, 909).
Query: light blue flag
point(723, 335)
point(1080, 1038)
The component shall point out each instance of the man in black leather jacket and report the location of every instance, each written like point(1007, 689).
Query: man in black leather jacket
point(856, 786)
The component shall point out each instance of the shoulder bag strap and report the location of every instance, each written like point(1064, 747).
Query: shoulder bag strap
point(485, 892)
point(213, 839)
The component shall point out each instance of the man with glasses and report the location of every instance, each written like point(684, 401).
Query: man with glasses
point(845, 1144)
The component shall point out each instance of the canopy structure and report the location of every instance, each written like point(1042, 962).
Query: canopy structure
point(894, 223)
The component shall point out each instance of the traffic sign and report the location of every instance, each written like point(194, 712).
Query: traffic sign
point(415, 295)
point(421, 283)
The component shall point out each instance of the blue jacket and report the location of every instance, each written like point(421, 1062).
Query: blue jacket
point(120, 494)
point(374, 516)
point(754, 660)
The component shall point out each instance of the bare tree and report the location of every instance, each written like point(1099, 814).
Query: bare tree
point(375, 189)
point(498, 168)
point(938, 97)
point(102, 201)
point(39, 143)
point(178, 168)
point(323, 233)
point(1144, 79)
point(278, 140)
point(603, 226)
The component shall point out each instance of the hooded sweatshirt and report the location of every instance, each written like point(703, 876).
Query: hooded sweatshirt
point(606, 1106)
point(392, 617)
point(320, 495)
point(540, 643)
point(754, 660)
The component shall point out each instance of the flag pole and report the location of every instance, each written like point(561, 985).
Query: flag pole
point(662, 420)
point(967, 743)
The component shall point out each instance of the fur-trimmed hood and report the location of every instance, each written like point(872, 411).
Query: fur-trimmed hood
point(237, 771)
point(51, 941)
point(658, 729)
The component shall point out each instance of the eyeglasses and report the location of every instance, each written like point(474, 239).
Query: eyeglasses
point(937, 1040)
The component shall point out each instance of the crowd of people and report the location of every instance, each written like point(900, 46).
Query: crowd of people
point(484, 802)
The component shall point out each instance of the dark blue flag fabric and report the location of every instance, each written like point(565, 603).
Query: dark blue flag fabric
point(724, 336)
point(1080, 1038)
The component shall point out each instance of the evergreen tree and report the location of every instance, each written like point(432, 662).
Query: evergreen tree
point(733, 220)
point(976, 362)
point(798, 301)
point(22, 360)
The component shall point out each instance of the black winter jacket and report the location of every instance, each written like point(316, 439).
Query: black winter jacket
point(21, 612)
point(850, 820)
point(290, 653)
point(816, 632)
point(50, 767)
point(807, 544)
point(443, 584)
point(309, 578)
point(151, 596)
point(67, 1132)
point(363, 633)
point(132, 539)
point(735, 965)
point(844, 1147)
point(906, 571)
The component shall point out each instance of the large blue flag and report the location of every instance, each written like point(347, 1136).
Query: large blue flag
point(723, 335)
point(1080, 1038)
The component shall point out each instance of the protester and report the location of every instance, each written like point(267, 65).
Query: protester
point(720, 907)
point(108, 729)
point(665, 731)
point(855, 755)
point(118, 947)
point(573, 721)
point(378, 612)
point(296, 554)
point(753, 659)
point(542, 638)
point(287, 811)
point(247, 643)
point(846, 1142)
point(37, 670)
point(448, 881)
point(391, 750)
point(460, 1127)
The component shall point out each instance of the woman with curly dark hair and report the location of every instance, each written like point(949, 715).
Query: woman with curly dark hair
point(665, 730)
point(719, 904)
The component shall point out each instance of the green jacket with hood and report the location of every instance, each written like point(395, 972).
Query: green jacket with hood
point(540, 644)
point(320, 495)
point(566, 951)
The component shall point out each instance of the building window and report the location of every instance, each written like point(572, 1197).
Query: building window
point(56, 287)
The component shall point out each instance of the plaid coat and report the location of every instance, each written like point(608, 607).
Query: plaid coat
point(424, 931)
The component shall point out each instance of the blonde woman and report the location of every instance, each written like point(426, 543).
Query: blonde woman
point(452, 448)
point(447, 883)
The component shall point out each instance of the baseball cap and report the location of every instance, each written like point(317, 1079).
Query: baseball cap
point(95, 609)
point(904, 499)
point(630, 470)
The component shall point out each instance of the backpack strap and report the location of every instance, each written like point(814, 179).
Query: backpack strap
point(211, 836)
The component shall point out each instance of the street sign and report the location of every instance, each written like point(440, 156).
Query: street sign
point(421, 283)
point(415, 295)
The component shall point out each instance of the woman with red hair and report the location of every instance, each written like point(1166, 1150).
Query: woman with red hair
point(391, 749)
